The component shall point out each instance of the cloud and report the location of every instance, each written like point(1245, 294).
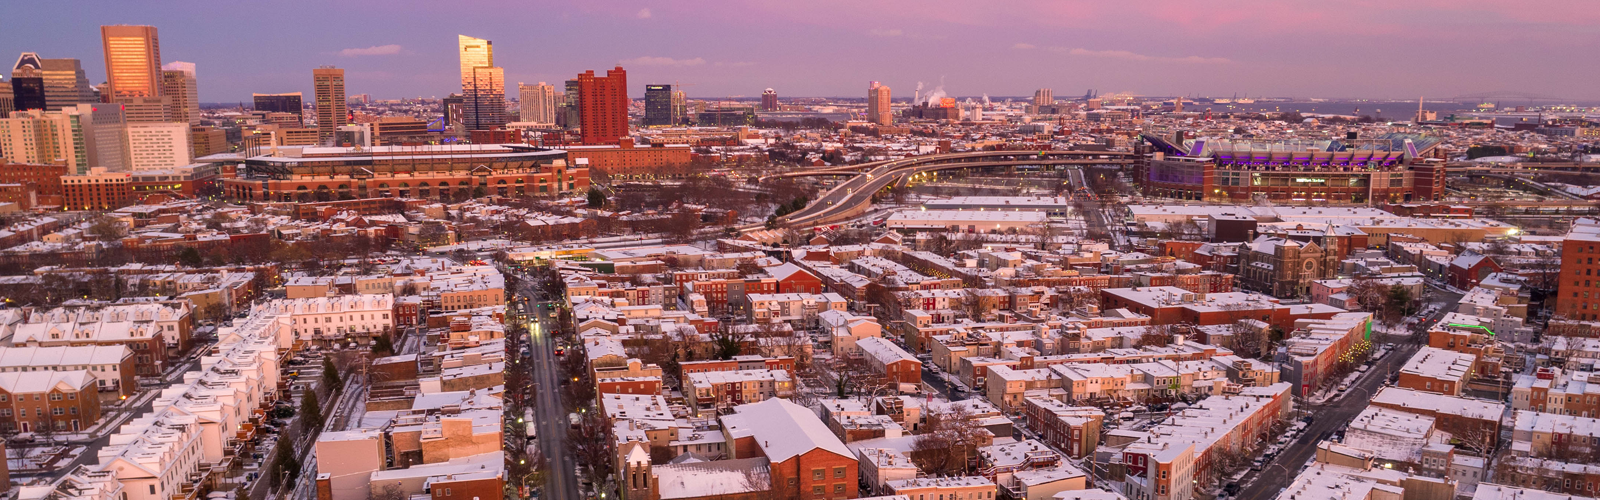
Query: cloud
point(880, 32)
point(1024, 46)
point(1134, 56)
point(376, 50)
point(643, 13)
point(662, 61)
point(740, 64)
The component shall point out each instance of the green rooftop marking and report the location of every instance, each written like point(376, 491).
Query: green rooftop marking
point(1480, 327)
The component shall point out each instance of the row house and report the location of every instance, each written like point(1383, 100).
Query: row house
point(1553, 390)
point(48, 402)
point(716, 390)
point(890, 361)
point(723, 294)
point(742, 362)
point(1548, 435)
point(196, 427)
point(1313, 348)
point(1140, 381)
point(799, 309)
point(1547, 479)
point(1006, 387)
point(1437, 370)
point(846, 330)
point(1183, 451)
point(153, 331)
point(1201, 282)
point(1476, 336)
point(329, 319)
point(111, 366)
point(1467, 419)
point(1073, 429)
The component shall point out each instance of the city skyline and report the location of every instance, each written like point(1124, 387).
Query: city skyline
point(1404, 49)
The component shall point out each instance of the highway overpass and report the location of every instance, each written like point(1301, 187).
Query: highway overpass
point(854, 196)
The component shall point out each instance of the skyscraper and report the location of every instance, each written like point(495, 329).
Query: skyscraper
point(574, 120)
point(658, 106)
point(133, 60)
point(483, 86)
point(1043, 97)
point(769, 100)
point(178, 83)
point(7, 100)
point(328, 82)
point(538, 102)
point(105, 136)
point(603, 106)
point(48, 84)
point(680, 107)
point(878, 104)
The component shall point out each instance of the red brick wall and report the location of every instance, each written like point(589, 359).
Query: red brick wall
point(472, 489)
point(802, 471)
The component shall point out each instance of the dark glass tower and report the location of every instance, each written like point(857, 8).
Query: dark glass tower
point(658, 105)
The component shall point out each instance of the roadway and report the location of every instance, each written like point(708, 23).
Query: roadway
point(550, 417)
point(1338, 412)
point(848, 198)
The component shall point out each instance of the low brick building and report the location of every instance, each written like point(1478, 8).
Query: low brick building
point(48, 401)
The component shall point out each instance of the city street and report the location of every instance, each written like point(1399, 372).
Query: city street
point(550, 418)
point(1276, 475)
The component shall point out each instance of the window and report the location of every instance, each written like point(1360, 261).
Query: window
point(57, 411)
point(838, 489)
point(816, 491)
point(816, 474)
point(447, 492)
point(55, 396)
point(838, 472)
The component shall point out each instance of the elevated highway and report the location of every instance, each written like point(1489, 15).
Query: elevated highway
point(854, 196)
point(1521, 168)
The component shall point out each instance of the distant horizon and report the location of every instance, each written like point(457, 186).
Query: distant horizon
point(1384, 51)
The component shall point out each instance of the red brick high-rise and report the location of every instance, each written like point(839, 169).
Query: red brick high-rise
point(603, 106)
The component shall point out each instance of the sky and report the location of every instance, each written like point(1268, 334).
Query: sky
point(1373, 49)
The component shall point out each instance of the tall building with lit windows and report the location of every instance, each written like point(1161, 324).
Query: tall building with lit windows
point(537, 102)
point(658, 106)
point(133, 72)
point(328, 85)
point(483, 86)
point(178, 83)
point(48, 84)
point(133, 60)
point(878, 104)
point(1578, 295)
point(603, 106)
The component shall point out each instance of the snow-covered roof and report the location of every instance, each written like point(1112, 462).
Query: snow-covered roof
point(782, 429)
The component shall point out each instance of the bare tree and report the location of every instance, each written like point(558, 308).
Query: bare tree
point(1155, 335)
point(950, 440)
